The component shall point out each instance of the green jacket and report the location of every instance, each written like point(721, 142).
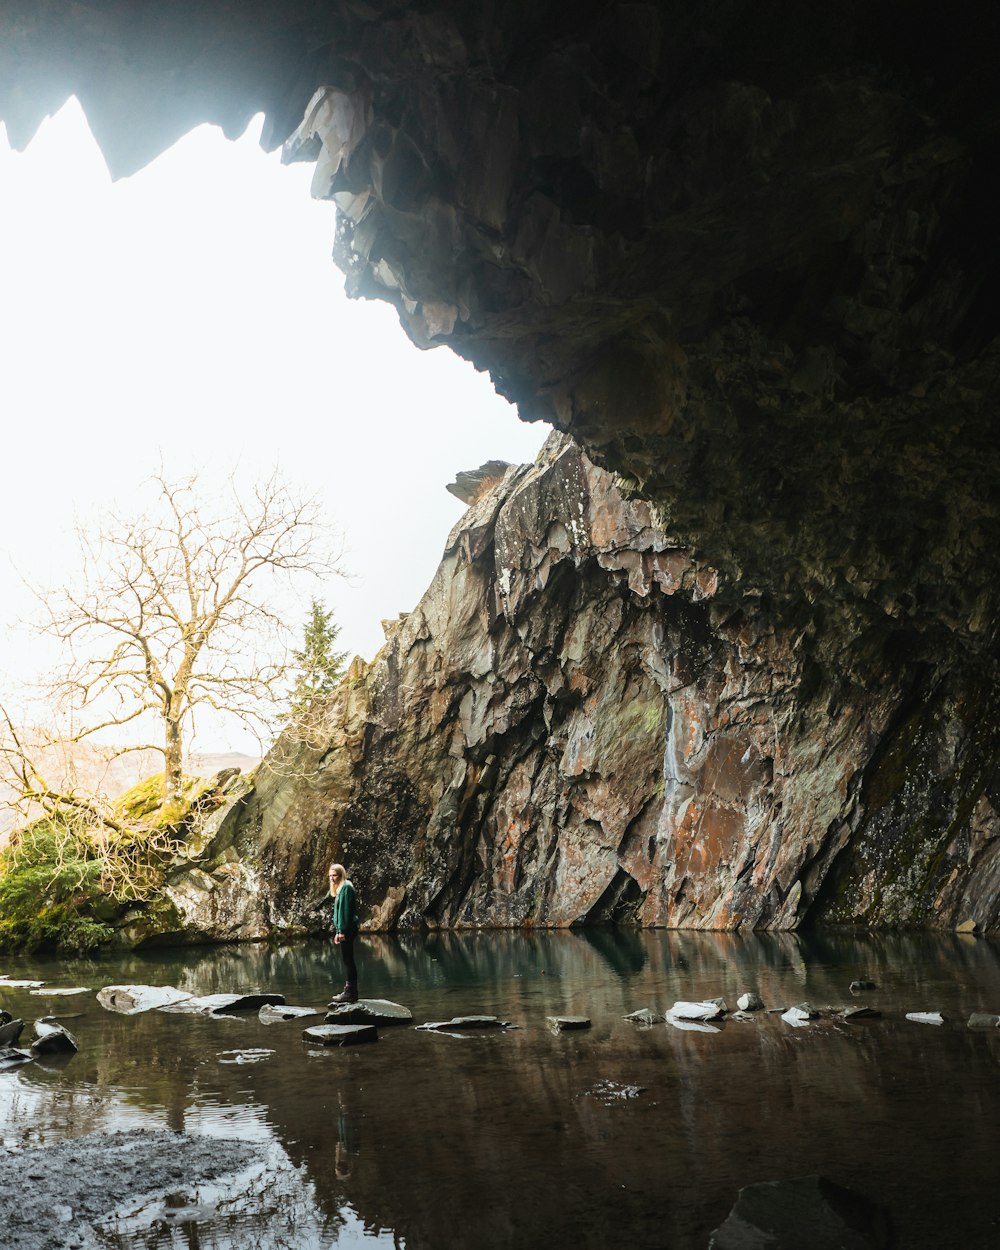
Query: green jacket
point(345, 910)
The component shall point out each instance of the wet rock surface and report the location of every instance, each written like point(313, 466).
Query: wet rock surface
point(340, 1034)
point(222, 1004)
point(378, 1011)
point(460, 1023)
point(568, 1024)
point(130, 1000)
point(76, 1186)
point(270, 1014)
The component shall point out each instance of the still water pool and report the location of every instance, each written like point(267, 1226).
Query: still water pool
point(506, 1139)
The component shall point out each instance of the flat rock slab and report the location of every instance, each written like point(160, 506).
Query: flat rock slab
point(60, 993)
point(131, 1000)
point(644, 1017)
point(223, 1004)
point(370, 1011)
point(567, 1024)
point(710, 1009)
point(53, 1039)
point(340, 1034)
point(8, 983)
point(11, 1058)
point(804, 1211)
point(925, 1017)
point(466, 1022)
point(983, 1020)
point(275, 1015)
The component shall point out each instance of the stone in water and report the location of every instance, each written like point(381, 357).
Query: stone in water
point(274, 1015)
point(52, 1039)
point(750, 1002)
point(565, 1024)
point(925, 1017)
point(709, 1010)
point(860, 1013)
point(467, 1022)
point(644, 1017)
point(369, 1011)
point(340, 1034)
point(131, 1000)
point(797, 1016)
point(217, 1004)
point(983, 1020)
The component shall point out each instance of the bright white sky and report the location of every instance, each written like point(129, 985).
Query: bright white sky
point(191, 315)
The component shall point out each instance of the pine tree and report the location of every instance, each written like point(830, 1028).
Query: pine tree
point(317, 666)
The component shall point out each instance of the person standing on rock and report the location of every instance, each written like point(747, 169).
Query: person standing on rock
point(345, 923)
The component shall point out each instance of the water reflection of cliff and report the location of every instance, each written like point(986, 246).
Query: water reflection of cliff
point(498, 1140)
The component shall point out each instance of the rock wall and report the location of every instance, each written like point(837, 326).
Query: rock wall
point(574, 726)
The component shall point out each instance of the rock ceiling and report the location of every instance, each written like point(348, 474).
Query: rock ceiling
point(744, 254)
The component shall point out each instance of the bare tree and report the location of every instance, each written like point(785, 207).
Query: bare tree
point(173, 613)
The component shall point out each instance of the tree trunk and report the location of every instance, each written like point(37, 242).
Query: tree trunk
point(172, 779)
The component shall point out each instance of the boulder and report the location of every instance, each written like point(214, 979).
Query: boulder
point(983, 1020)
point(750, 1001)
point(10, 1032)
point(131, 1000)
point(711, 1009)
point(566, 1024)
point(645, 1017)
point(466, 1022)
point(806, 1211)
point(858, 987)
point(270, 1014)
point(52, 1039)
point(340, 1034)
point(370, 1011)
point(223, 1004)
point(925, 1017)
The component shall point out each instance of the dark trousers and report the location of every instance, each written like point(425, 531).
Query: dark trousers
point(347, 955)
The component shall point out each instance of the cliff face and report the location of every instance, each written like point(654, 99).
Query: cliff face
point(572, 726)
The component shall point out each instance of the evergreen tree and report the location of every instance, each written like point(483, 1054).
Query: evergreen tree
point(317, 666)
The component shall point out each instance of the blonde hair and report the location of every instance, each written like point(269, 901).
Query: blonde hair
point(339, 873)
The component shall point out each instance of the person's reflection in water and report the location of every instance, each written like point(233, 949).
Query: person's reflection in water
point(348, 1144)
